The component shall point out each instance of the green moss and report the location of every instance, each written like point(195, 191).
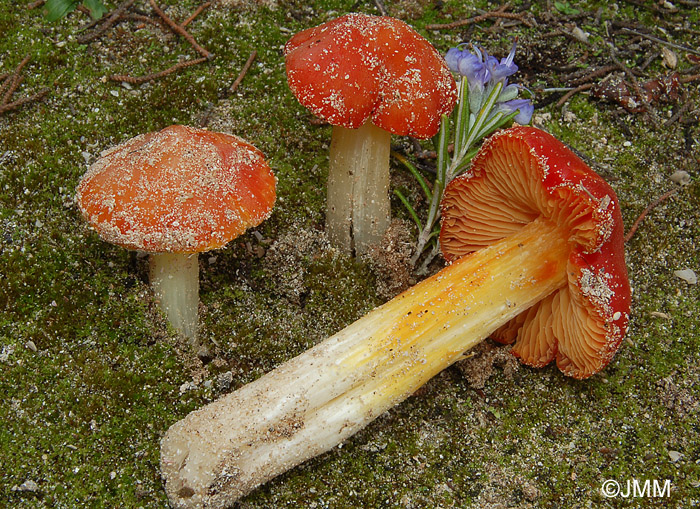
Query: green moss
point(91, 377)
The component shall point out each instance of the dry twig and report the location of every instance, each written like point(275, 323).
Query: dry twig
point(150, 77)
point(196, 13)
point(243, 72)
point(644, 213)
point(111, 20)
point(181, 31)
point(120, 14)
point(130, 16)
point(12, 82)
point(499, 13)
point(381, 7)
point(571, 93)
point(575, 80)
point(16, 104)
point(9, 87)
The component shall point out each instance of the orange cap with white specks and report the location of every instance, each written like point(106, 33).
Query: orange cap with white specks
point(181, 190)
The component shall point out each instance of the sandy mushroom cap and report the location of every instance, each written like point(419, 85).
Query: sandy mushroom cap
point(521, 174)
point(181, 190)
point(358, 67)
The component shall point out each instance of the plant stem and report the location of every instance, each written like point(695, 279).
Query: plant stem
point(313, 402)
point(443, 160)
point(467, 133)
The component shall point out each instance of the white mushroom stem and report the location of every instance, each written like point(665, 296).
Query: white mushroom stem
point(174, 279)
point(358, 207)
point(315, 401)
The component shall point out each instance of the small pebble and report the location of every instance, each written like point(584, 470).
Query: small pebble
point(687, 275)
point(187, 386)
point(6, 352)
point(223, 381)
point(669, 58)
point(27, 485)
point(674, 455)
point(580, 35)
point(627, 144)
point(31, 346)
point(680, 177)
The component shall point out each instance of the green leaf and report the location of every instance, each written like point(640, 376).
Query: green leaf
point(476, 130)
point(461, 116)
point(464, 163)
point(56, 9)
point(409, 208)
point(96, 7)
point(443, 157)
point(416, 174)
point(565, 8)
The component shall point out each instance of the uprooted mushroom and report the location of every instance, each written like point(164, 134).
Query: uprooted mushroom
point(536, 249)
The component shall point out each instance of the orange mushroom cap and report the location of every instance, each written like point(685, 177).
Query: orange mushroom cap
point(358, 67)
point(181, 190)
point(523, 173)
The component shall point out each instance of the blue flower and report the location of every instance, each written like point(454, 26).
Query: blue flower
point(483, 73)
point(524, 107)
point(468, 65)
point(452, 58)
point(500, 70)
point(481, 66)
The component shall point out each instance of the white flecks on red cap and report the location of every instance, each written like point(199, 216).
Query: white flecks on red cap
point(177, 190)
point(361, 67)
point(522, 173)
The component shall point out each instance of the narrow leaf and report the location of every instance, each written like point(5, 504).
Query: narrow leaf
point(416, 174)
point(410, 209)
point(461, 120)
point(442, 154)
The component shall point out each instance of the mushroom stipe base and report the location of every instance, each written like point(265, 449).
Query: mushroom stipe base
point(358, 206)
point(174, 278)
point(315, 401)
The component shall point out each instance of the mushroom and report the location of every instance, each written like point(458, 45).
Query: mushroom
point(540, 240)
point(523, 176)
point(176, 193)
point(369, 76)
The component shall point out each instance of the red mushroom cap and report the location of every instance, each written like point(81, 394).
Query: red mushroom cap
point(523, 173)
point(182, 190)
point(358, 67)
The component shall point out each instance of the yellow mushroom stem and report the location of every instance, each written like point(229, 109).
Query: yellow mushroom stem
point(358, 206)
point(315, 401)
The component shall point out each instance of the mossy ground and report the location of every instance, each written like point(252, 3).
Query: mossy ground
point(91, 377)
